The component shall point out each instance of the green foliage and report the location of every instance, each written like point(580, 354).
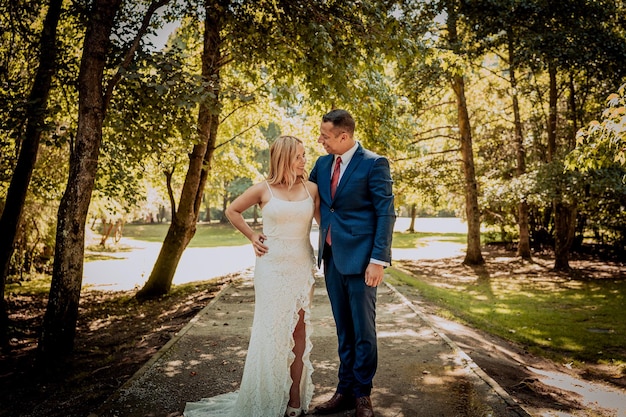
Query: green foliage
point(20, 23)
point(286, 62)
point(34, 244)
point(602, 143)
point(601, 207)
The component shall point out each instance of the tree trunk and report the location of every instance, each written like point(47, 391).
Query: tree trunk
point(413, 214)
point(18, 188)
point(564, 219)
point(225, 198)
point(552, 115)
point(565, 214)
point(572, 114)
point(563, 223)
point(255, 214)
point(523, 246)
point(473, 256)
point(183, 225)
point(170, 192)
point(59, 325)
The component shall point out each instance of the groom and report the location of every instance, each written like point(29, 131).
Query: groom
point(357, 217)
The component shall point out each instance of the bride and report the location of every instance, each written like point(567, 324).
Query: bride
point(276, 378)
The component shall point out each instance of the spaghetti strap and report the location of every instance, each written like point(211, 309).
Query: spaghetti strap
point(306, 188)
point(269, 188)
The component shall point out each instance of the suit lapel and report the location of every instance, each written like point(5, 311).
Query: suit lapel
point(324, 183)
point(354, 162)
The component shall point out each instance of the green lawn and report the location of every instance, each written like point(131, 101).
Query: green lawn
point(565, 320)
point(216, 234)
point(407, 240)
point(207, 235)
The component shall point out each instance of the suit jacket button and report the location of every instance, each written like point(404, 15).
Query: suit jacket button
point(332, 210)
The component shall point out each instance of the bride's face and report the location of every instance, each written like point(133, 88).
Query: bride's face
point(300, 160)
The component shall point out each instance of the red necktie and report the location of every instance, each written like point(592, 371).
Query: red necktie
point(333, 187)
point(335, 179)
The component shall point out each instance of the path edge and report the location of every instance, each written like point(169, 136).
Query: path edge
point(162, 351)
point(469, 364)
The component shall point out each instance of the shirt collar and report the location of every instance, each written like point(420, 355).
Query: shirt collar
point(347, 156)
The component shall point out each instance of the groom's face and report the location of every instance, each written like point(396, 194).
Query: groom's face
point(333, 139)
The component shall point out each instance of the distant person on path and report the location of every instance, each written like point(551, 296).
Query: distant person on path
point(276, 379)
point(357, 218)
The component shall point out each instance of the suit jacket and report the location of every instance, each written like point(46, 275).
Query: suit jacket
point(362, 213)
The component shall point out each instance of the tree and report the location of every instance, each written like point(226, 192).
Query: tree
point(35, 114)
point(571, 42)
point(495, 24)
point(183, 225)
point(523, 246)
point(473, 255)
point(564, 40)
point(59, 325)
point(600, 155)
point(431, 72)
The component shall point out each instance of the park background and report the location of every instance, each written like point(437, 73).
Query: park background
point(506, 114)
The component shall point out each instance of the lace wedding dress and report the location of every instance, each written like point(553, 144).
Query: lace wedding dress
point(283, 285)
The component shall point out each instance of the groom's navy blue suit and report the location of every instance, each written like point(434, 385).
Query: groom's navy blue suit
point(361, 218)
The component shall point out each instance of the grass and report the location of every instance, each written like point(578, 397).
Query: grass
point(218, 234)
point(35, 285)
point(207, 235)
point(564, 320)
point(407, 240)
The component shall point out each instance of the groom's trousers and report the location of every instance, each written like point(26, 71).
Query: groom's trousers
point(354, 309)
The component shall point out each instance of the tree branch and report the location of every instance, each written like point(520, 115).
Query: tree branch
point(237, 135)
point(496, 74)
point(236, 109)
point(409, 158)
point(444, 103)
point(435, 128)
point(446, 151)
point(130, 53)
point(433, 137)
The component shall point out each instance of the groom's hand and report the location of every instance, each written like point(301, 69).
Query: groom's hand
point(374, 275)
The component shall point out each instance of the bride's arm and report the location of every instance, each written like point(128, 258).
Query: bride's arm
point(234, 213)
point(316, 201)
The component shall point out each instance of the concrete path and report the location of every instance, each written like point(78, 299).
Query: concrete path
point(421, 372)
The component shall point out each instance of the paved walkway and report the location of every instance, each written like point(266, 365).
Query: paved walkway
point(421, 372)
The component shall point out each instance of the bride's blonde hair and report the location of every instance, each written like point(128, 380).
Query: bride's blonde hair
point(282, 156)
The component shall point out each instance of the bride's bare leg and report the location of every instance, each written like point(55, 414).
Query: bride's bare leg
point(299, 337)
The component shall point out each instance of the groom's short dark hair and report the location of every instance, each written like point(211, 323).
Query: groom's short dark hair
point(340, 118)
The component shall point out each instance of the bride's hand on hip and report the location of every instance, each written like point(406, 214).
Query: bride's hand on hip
point(258, 245)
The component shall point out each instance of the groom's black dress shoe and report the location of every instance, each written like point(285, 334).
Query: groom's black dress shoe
point(339, 402)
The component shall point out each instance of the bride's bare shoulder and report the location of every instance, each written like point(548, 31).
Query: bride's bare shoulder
point(311, 186)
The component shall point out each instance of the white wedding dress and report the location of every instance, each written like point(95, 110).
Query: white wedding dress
point(283, 285)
